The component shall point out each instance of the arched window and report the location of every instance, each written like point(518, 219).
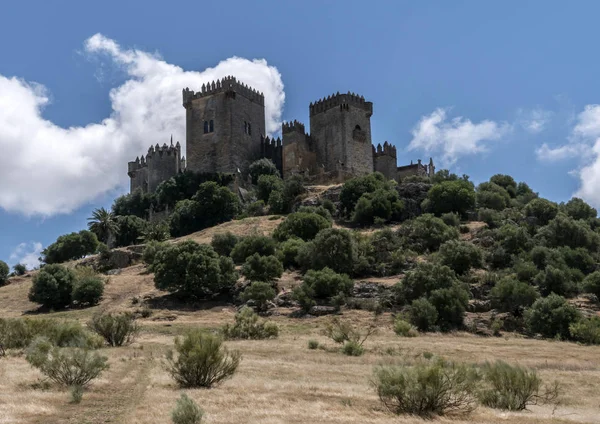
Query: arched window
point(357, 127)
point(212, 125)
point(249, 129)
point(205, 127)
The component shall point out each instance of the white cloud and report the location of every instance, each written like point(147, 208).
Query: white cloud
point(46, 169)
point(456, 137)
point(549, 154)
point(27, 254)
point(534, 121)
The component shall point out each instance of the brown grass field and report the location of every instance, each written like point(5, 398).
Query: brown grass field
point(278, 381)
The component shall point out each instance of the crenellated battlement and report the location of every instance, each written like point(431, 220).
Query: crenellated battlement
point(341, 100)
point(225, 85)
point(294, 126)
point(386, 150)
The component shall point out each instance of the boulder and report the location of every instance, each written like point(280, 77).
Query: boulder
point(319, 310)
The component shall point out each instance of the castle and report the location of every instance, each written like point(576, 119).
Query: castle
point(225, 133)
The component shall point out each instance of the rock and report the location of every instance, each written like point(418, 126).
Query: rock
point(476, 305)
point(322, 310)
point(366, 290)
point(284, 300)
point(245, 195)
point(332, 193)
point(116, 271)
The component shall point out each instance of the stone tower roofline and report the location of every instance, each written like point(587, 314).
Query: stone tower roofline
point(293, 126)
point(386, 150)
point(226, 84)
point(273, 142)
point(154, 152)
point(342, 100)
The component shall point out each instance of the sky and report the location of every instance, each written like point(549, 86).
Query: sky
point(482, 87)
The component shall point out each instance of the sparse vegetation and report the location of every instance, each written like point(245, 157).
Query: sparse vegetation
point(248, 325)
point(116, 329)
point(186, 411)
point(260, 293)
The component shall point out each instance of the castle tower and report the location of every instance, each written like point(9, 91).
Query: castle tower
point(299, 157)
point(160, 164)
point(225, 123)
point(384, 160)
point(340, 126)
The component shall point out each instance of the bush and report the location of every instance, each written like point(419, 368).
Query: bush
point(451, 304)
point(262, 268)
point(586, 330)
point(512, 387)
point(565, 231)
point(350, 337)
point(451, 219)
point(403, 328)
point(255, 208)
point(260, 293)
point(551, 317)
point(303, 225)
point(17, 333)
point(155, 231)
point(460, 256)
point(423, 314)
point(554, 280)
point(117, 330)
point(427, 389)
point(88, 290)
point(223, 243)
point(136, 203)
point(248, 326)
point(451, 196)
point(288, 252)
point(542, 210)
point(591, 284)
point(423, 279)
point(576, 208)
point(426, 233)
point(130, 229)
point(260, 167)
point(491, 217)
point(202, 361)
point(526, 271)
point(66, 366)
point(186, 411)
point(336, 249)
point(379, 206)
point(383, 253)
point(313, 344)
point(352, 348)
point(326, 283)
point(281, 201)
point(248, 246)
point(268, 184)
point(492, 196)
point(509, 295)
point(19, 269)
point(193, 271)
point(70, 247)
point(4, 271)
point(52, 286)
point(151, 250)
point(355, 188)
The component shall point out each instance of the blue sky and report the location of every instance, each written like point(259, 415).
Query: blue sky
point(483, 87)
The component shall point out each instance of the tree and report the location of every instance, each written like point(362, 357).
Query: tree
point(103, 224)
point(510, 295)
point(304, 225)
point(450, 304)
point(70, 247)
point(192, 270)
point(460, 256)
point(260, 167)
point(52, 286)
point(542, 210)
point(551, 316)
point(260, 293)
point(266, 185)
point(554, 280)
point(355, 188)
point(506, 182)
point(591, 284)
point(566, 231)
point(247, 246)
point(576, 208)
point(130, 229)
point(262, 268)
point(378, 206)
point(4, 270)
point(492, 196)
point(423, 279)
point(19, 269)
point(451, 196)
point(426, 233)
point(137, 203)
point(336, 249)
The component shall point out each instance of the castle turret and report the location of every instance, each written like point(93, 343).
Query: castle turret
point(299, 156)
point(160, 164)
point(384, 160)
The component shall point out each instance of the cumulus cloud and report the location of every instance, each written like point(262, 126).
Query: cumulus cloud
point(534, 121)
point(46, 169)
point(456, 137)
point(27, 254)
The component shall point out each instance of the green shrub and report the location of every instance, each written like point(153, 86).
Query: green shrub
point(554, 280)
point(19, 269)
point(326, 283)
point(426, 233)
point(4, 271)
point(248, 326)
point(349, 336)
point(383, 253)
point(551, 317)
point(460, 256)
point(223, 243)
point(423, 314)
point(303, 225)
point(155, 231)
point(499, 258)
point(260, 167)
point(193, 271)
point(201, 360)
point(52, 286)
point(17, 333)
point(491, 217)
point(116, 329)
point(492, 196)
point(320, 210)
point(255, 208)
point(514, 239)
point(186, 411)
point(260, 293)
point(336, 249)
point(404, 328)
point(451, 196)
point(88, 291)
point(542, 210)
point(352, 348)
point(355, 188)
point(586, 330)
point(591, 284)
point(451, 304)
point(136, 203)
point(266, 185)
point(76, 394)
point(130, 229)
point(423, 279)
point(526, 271)
point(288, 252)
point(379, 206)
point(565, 231)
point(70, 246)
point(427, 389)
point(509, 295)
point(576, 208)
point(248, 246)
point(262, 268)
point(66, 366)
point(151, 250)
point(281, 201)
point(451, 219)
point(313, 344)
point(512, 387)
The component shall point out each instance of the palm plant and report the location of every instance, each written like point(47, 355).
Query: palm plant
point(103, 224)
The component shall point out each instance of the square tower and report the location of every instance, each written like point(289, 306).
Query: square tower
point(340, 126)
point(225, 123)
